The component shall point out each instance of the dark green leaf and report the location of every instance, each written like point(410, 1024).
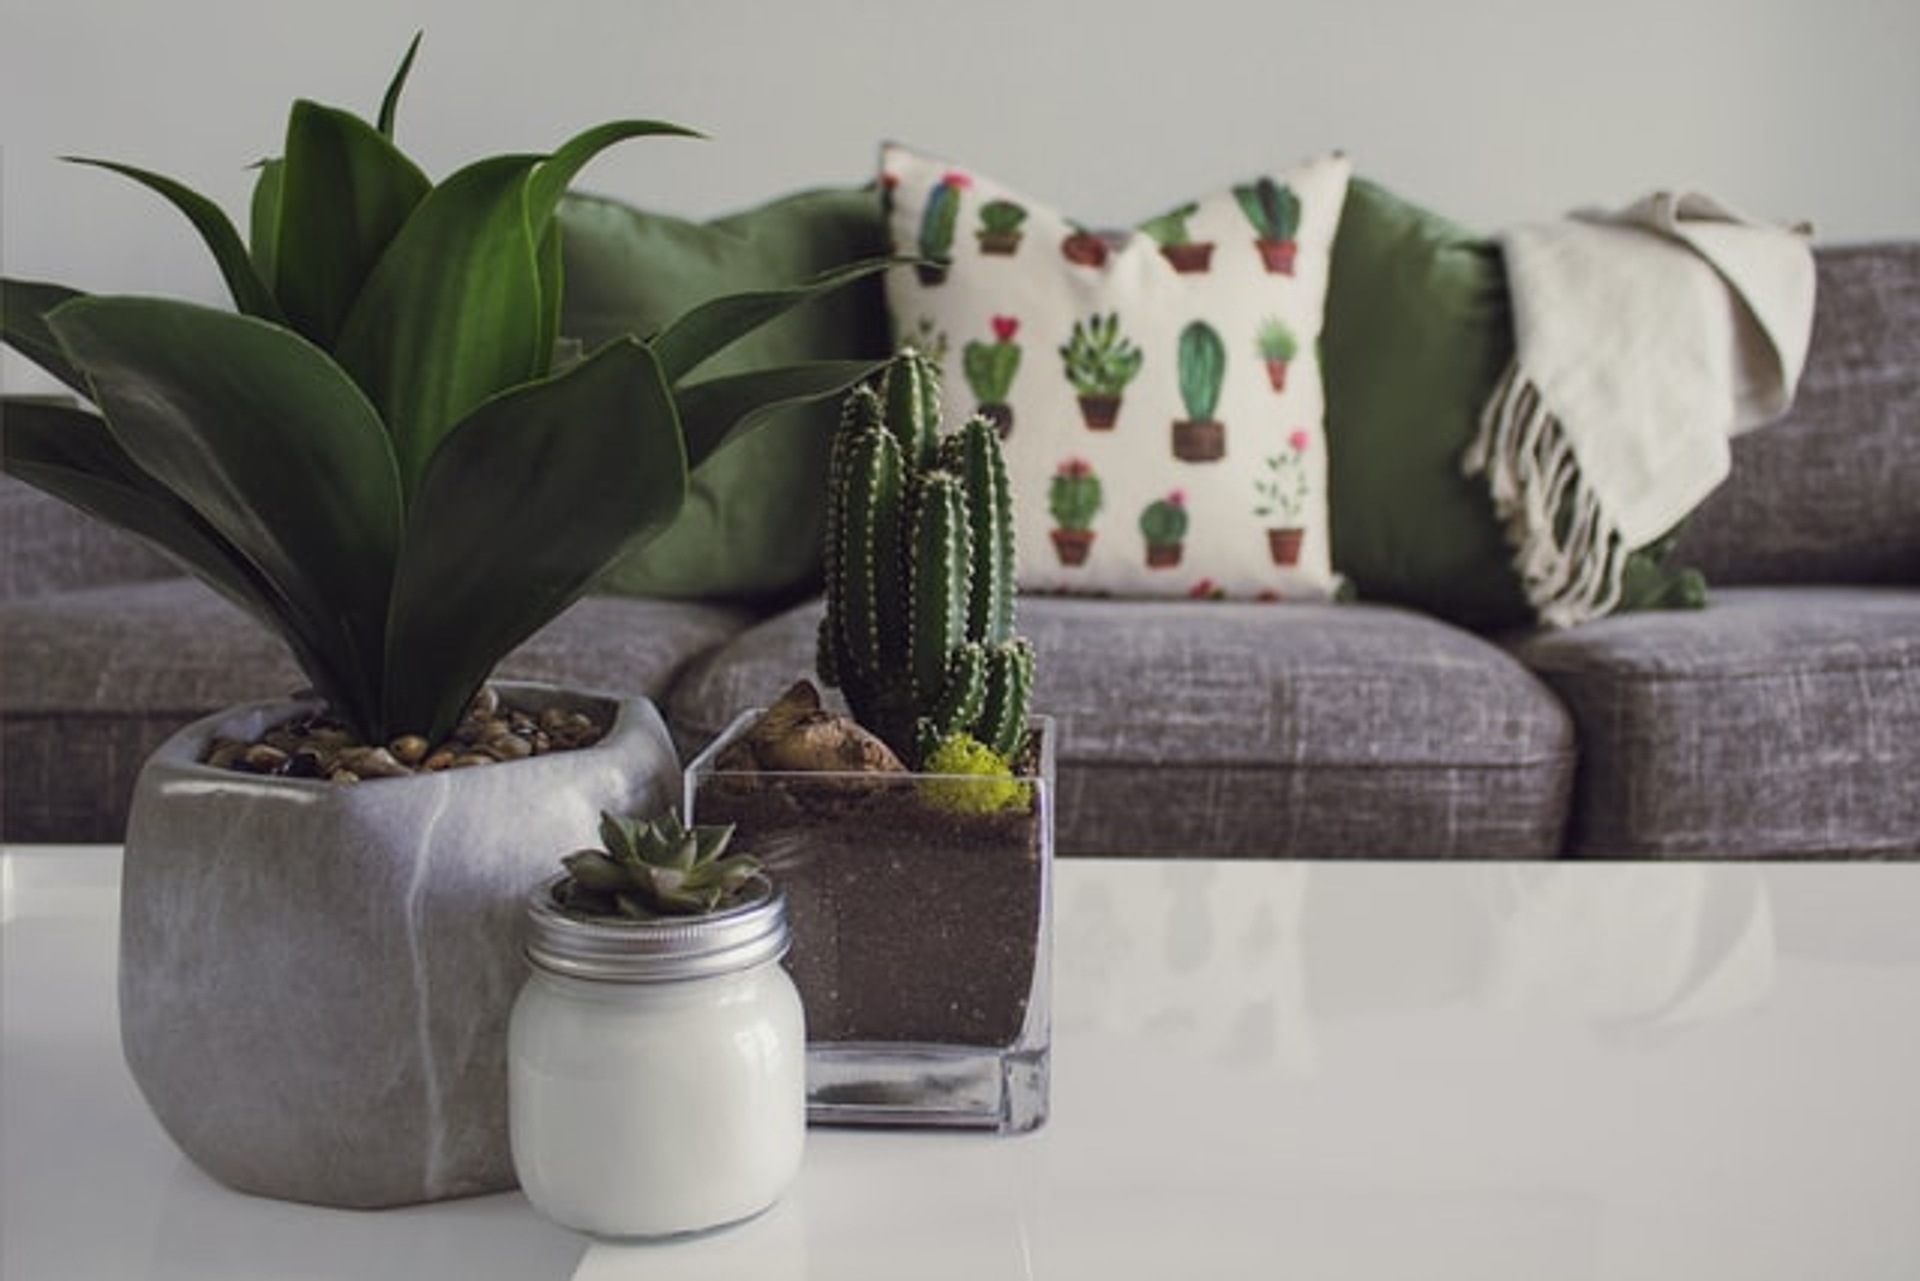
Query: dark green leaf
point(451, 315)
point(390, 101)
point(250, 292)
point(346, 192)
point(704, 330)
point(522, 506)
point(459, 309)
point(719, 410)
point(273, 446)
point(24, 305)
point(557, 172)
point(263, 226)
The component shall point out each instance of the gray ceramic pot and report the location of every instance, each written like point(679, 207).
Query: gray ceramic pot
point(315, 978)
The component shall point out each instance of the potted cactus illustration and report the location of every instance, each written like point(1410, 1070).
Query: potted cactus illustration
point(990, 368)
point(937, 223)
point(1084, 248)
point(1277, 345)
point(1200, 437)
point(1164, 526)
point(1100, 362)
point(1074, 497)
point(1274, 210)
point(999, 231)
point(1176, 242)
point(1282, 494)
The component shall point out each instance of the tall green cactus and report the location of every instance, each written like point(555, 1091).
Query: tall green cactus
point(1273, 208)
point(918, 632)
point(1203, 368)
point(937, 223)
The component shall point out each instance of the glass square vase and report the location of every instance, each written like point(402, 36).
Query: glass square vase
point(921, 913)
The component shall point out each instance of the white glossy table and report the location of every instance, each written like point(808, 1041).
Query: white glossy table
point(1369, 1070)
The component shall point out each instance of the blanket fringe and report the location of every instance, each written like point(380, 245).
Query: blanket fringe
point(1570, 558)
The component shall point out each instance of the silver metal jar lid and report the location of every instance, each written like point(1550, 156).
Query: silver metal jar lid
point(665, 950)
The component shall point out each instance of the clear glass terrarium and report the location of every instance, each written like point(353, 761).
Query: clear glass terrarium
point(921, 908)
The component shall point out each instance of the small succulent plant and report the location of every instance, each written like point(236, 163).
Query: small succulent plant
point(651, 868)
point(1099, 360)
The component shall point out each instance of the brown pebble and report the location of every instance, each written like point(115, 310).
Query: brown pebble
point(372, 762)
point(509, 747)
point(263, 758)
point(410, 749)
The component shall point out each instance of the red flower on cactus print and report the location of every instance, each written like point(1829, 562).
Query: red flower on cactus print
point(1005, 327)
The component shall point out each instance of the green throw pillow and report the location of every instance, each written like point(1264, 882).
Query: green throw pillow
point(1418, 332)
point(753, 522)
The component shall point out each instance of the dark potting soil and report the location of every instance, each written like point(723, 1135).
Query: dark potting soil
point(910, 922)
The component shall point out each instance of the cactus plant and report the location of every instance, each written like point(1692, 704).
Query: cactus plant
point(1074, 495)
point(1176, 241)
point(1163, 524)
point(1274, 210)
point(1170, 228)
point(937, 223)
point(1199, 437)
point(1203, 368)
point(1000, 222)
point(990, 369)
point(1164, 521)
point(918, 633)
point(654, 868)
point(1074, 498)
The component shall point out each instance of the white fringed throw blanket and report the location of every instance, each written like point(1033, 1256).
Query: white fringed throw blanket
point(1644, 340)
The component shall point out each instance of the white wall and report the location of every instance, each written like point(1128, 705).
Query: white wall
point(1491, 110)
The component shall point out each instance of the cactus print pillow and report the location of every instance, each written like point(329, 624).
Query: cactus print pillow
point(1158, 389)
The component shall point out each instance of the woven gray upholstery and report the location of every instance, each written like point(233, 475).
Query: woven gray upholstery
point(93, 680)
point(1777, 721)
point(47, 546)
point(1828, 494)
point(1203, 728)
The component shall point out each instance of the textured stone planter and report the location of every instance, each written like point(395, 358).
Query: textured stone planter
point(315, 978)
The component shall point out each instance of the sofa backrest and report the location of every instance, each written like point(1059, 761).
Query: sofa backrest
point(1831, 493)
point(47, 546)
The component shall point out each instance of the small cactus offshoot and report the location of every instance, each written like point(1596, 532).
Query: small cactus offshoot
point(654, 868)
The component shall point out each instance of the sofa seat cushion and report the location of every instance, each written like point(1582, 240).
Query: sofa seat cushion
point(1238, 730)
point(94, 680)
point(1776, 721)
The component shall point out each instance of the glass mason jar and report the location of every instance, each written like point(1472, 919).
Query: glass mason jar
point(656, 1069)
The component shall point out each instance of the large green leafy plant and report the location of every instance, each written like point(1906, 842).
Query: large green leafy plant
point(386, 452)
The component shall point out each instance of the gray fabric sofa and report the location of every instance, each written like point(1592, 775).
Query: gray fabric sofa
point(1781, 720)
